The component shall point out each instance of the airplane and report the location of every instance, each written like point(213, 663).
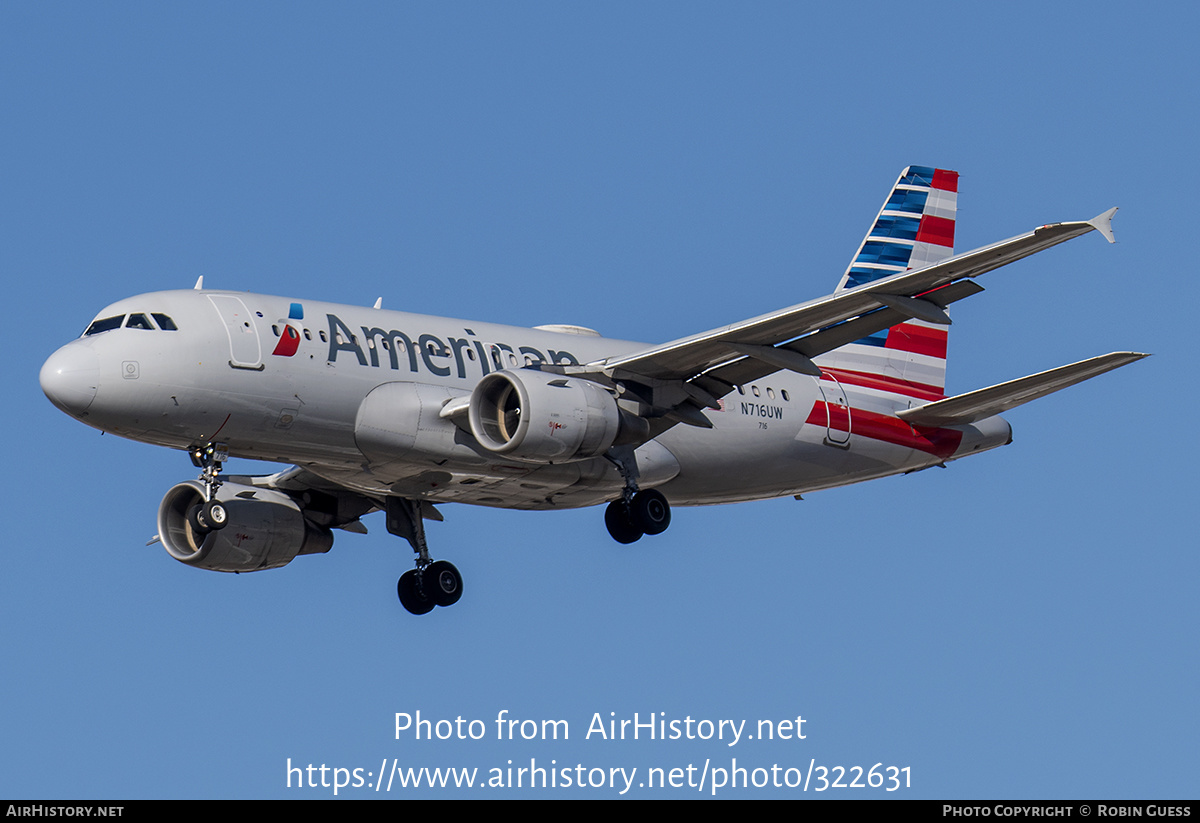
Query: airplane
point(387, 410)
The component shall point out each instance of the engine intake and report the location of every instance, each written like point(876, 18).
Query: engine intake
point(266, 529)
point(543, 418)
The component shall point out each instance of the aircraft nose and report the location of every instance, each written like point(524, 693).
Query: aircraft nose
point(70, 377)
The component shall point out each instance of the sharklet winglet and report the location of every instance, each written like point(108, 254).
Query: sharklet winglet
point(1103, 224)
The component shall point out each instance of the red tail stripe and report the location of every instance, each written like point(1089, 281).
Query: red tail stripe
point(939, 442)
point(917, 339)
point(936, 230)
point(921, 391)
point(945, 180)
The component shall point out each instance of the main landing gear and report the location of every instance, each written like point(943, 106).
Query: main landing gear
point(432, 582)
point(636, 512)
point(211, 515)
point(648, 512)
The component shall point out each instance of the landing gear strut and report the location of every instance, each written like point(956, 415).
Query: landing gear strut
point(636, 512)
point(210, 515)
point(432, 582)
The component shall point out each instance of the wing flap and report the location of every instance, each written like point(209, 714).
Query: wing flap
point(973, 406)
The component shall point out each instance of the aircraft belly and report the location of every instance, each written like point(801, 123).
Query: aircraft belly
point(499, 483)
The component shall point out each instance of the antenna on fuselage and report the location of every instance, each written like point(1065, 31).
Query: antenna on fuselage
point(199, 283)
point(379, 302)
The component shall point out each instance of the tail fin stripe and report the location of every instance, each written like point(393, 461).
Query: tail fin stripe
point(917, 176)
point(945, 180)
point(916, 339)
point(907, 200)
point(884, 253)
point(901, 227)
point(887, 383)
point(915, 228)
point(936, 230)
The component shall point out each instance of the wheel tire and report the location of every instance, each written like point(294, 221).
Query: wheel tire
point(650, 511)
point(410, 594)
point(619, 524)
point(214, 514)
point(194, 513)
point(443, 583)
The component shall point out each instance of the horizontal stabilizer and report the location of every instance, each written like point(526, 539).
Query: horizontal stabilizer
point(976, 405)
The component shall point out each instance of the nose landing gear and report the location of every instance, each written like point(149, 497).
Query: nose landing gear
point(210, 515)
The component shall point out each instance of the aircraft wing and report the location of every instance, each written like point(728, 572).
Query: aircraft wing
point(328, 503)
point(713, 360)
point(976, 405)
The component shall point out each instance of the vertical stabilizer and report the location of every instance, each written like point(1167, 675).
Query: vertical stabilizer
point(915, 228)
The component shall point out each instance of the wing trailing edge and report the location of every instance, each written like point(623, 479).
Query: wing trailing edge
point(690, 357)
point(973, 406)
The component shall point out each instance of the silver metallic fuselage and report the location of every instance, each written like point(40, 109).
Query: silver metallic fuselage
point(229, 373)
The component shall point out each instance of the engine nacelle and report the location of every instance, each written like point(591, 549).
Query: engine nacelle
point(400, 422)
point(265, 530)
point(543, 418)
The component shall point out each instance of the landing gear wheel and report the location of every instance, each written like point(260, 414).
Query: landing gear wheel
point(193, 518)
point(214, 515)
point(650, 511)
point(443, 583)
point(620, 526)
point(412, 598)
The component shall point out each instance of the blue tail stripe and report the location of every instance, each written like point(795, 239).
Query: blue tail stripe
point(918, 176)
point(909, 200)
point(904, 228)
point(888, 254)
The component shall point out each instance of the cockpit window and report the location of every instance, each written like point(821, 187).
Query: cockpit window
point(107, 324)
point(138, 321)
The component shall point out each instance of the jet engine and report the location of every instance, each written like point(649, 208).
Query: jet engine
point(543, 418)
point(264, 529)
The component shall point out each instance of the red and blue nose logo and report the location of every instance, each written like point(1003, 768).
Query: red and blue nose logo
point(289, 339)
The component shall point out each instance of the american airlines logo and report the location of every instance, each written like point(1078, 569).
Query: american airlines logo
point(441, 357)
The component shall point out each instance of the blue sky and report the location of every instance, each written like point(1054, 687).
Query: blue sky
point(1021, 624)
